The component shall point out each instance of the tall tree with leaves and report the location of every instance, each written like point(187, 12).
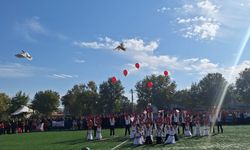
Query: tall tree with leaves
point(18, 100)
point(211, 89)
point(160, 95)
point(183, 98)
point(243, 86)
point(4, 105)
point(70, 102)
point(195, 95)
point(111, 95)
point(92, 97)
point(231, 97)
point(126, 105)
point(46, 101)
point(88, 99)
point(81, 99)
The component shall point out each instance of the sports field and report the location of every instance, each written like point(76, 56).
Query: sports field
point(235, 137)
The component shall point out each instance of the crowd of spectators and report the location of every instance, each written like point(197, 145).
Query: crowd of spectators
point(12, 126)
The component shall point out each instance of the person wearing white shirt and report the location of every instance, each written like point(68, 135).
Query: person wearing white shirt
point(112, 125)
point(211, 122)
point(219, 123)
point(99, 132)
point(197, 129)
point(159, 134)
point(127, 125)
point(149, 134)
point(133, 130)
point(138, 139)
point(171, 136)
point(176, 121)
point(183, 122)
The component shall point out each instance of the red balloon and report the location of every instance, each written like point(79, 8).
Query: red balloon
point(113, 79)
point(166, 73)
point(150, 84)
point(137, 65)
point(125, 72)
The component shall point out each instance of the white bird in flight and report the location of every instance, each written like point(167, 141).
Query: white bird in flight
point(24, 54)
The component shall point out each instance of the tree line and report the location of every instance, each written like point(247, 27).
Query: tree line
point(86, 99)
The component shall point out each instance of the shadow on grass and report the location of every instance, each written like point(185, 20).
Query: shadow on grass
point(70, 142)
point(214, 134)
point(80, 141)
point(197, 137)
point(146, 147)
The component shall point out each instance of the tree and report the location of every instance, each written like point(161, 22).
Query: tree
point(92, 97)
point(87, 100)
point(111, 95)
point(195, 95)
point(126, 105)
point(18, 100)
point(70, 102)
point(211, 89)
point(46, 102)
point(231, 96)
point(81, 99)
point(160, 95)
point(183, 98)
point(4, 104)
point(243, 86)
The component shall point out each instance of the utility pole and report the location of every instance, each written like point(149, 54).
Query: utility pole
point(132, 93)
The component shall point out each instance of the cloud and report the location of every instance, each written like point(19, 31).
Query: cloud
point(31, 28)
point(236, 70)
point(199, 20)
point(16, 70)
point(133, 44)
point(80, 61)
point(163, 9)
point(244, 3)
point(210, 19)
point(207, 6)
point(150, 63)
point(188, 7)
point(63, 76)
point(103, 43)
point(199, 27)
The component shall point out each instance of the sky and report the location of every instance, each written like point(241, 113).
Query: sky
point(72, 42)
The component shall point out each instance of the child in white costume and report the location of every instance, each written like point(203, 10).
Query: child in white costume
point(167, 131)
point(138, 138)
point(206, 126)
point(197, 129)
point(148, 134)
point(206, 130)
point(89, 131)
point(171, 137)
point(133, 130)
point(159, 134)
point(187, 131)
point(89, 134)
point(99, 132)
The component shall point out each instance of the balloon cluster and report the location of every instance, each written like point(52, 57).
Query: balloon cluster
point(137, 66)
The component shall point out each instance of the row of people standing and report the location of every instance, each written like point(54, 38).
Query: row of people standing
point(174, 120)
point(14, 126)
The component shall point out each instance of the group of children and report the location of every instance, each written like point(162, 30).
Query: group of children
point(165, 128)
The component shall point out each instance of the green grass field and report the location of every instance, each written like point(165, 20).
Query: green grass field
point(235, 137)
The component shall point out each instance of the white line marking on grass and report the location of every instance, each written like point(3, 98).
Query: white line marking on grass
point(119, 145)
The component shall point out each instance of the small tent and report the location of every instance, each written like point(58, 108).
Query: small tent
point(21, 110)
